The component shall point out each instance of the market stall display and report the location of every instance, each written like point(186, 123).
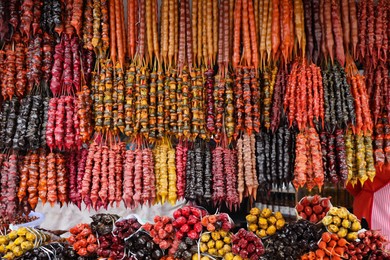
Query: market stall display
point(126, 238)
point(169, 89)
point(144, 102)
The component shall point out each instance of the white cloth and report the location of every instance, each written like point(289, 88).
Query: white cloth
point(57, 218)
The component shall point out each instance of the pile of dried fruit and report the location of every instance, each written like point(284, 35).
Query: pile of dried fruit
point(166, 238)
point(341, 222)
point(187, 220)
point(369, 243)
point(141, 246)
point(217, 222)
point(102, 224)
point(126, 227)
point(294, 240)
point(18, 219)
point(53, 250)
point(82, 239)
point(112, 243)
point(111, 246)
point(331, 245)
point(162, 231)
point(19, 241)
point(264, 222)
point(247, 245)
point(186, 249)
point(313, 208)
point(216, 243)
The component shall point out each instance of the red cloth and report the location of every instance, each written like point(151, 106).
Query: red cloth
point(364, 196)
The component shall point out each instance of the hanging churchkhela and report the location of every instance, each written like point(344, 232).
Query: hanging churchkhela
point(149, 102)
